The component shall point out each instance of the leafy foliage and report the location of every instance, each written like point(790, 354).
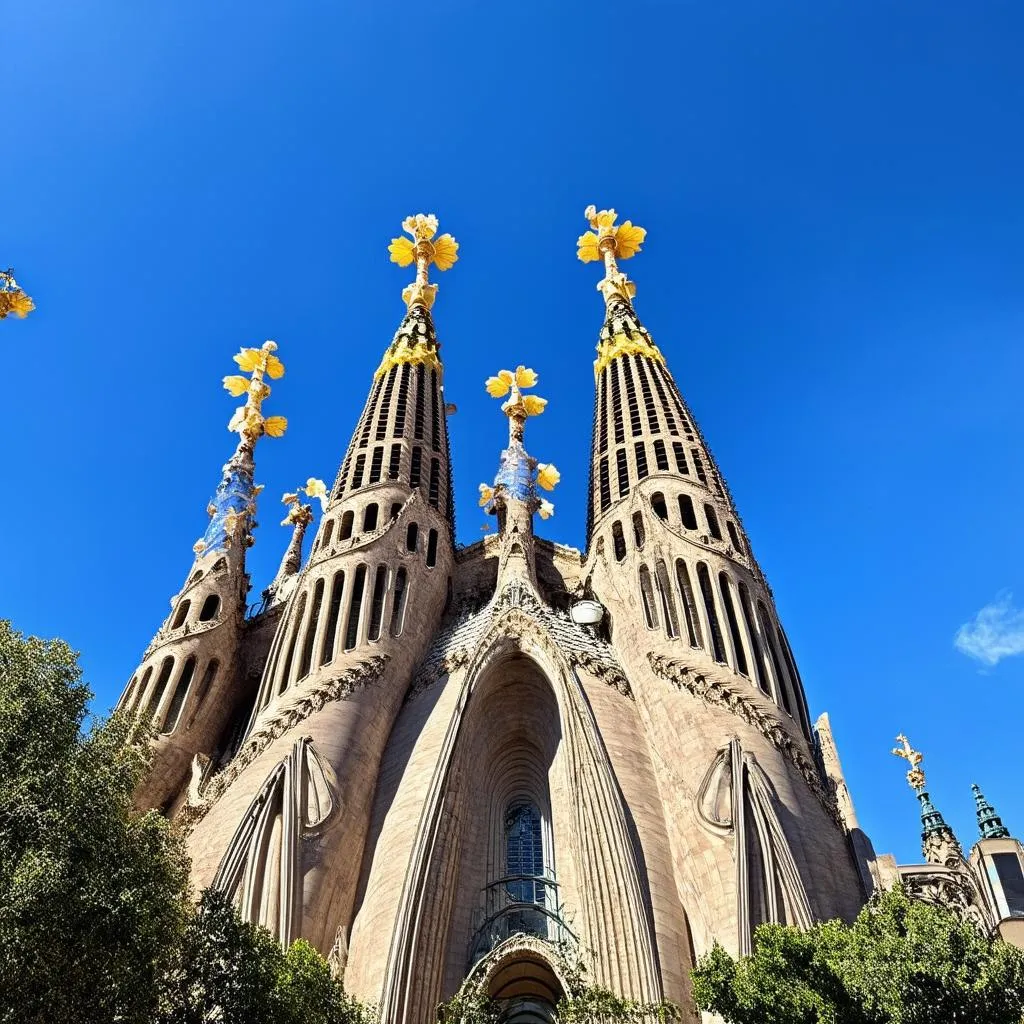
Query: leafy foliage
point(599, 1006)
point(92, 895)
point(901, 962)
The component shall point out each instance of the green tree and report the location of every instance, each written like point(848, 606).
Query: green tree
point(92, 895)
point(901, 962)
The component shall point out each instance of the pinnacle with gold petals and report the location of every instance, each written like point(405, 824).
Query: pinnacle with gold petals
point(248, 419)
point(611, 242)
point(423, 247)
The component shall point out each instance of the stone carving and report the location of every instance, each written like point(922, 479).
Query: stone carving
point(724, 695)
point(269, 729)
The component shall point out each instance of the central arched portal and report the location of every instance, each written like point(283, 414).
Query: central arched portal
point(520, 978)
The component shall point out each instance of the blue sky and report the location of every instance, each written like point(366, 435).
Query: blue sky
point(833, 269)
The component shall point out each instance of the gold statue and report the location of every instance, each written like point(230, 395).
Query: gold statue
point(914, 758)
point(424, 249)
point(248, 420)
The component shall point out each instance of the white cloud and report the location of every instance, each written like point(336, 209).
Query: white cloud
point(996, 632)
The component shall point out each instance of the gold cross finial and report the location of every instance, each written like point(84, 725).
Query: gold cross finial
point(248, 420)
point(914, 758)
point(610, 241)
point(425, 247)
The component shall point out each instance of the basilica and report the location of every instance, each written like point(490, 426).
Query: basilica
point(513, 764)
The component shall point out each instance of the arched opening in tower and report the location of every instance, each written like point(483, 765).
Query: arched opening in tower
point(524, 985)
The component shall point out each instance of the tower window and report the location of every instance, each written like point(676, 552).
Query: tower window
point(328, 533)
point(634, 408)
point(734, 626)
point(434, 491)
point(638, 530)
point(354, 607)
point(680, 454)
point(210, 608)
point(717, 481)
point(314, 620)
point(756, 653)
point(618, 541)
point(641, 460)
point(435, 418)
point(686, 512)
point(699, 466)
point(690, 614)
point(606, 487)
point(431, 549)
point(713, 527)
point(780, 679)
point(623, 468)
point(161, 685)
point(411, 537)
point(734, 536)
point(645, 387)
point(421, 400)
point(180, 693)
point(707, 592)
point(398, 608)
point(396, 508)
point(660, 456)
point(369, 411)
point(347, 521)
point(333, 614)
point(416, 466)
point(403, 399)
point(620, 434)
point(666, 407)
point(524, 861)
point(385, 405)
point(395, 462)
point(206, 683)
point(668, 605)
point(142, 687)
point(647, 598)
point(659, 506)
point(370, 517)
point(377, 604)
point(376, 463)
point(357, 473)
point(602, 412)
point(181, 614)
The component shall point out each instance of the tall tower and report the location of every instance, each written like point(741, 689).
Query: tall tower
point(756, 835)
point(188, 684)
point(283, 827)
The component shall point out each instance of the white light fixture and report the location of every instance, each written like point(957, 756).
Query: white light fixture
point(587, 613)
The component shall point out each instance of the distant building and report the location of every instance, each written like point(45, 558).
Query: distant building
point(505, 761)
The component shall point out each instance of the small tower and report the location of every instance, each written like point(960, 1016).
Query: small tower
point(997, 860)
point(186, 684)
point(939, 844)
point(513, 498)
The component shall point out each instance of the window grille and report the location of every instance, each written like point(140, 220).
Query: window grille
point(641, 460)
point(385, 405)
point(376, 463)
point(403, 400)
point(660, 456)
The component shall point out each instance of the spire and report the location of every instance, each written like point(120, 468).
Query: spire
point(938, 842)
point(513, 497)
point(989, 823)
point(234, 504)
point(298, 517)
point(402, 433)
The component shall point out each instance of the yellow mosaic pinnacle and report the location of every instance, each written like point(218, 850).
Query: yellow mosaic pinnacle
point(423, 247)
point(248, 420)
point(610, 241)
point(914, 758)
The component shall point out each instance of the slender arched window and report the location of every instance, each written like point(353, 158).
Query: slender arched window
point(618, 541)
point(376, 463)
point(713, 528)
point(647, 598)
point(707, 592)
point(757, 654)
point(205, 683)
point(434, 487)
point(638, 529)
point(377, 602)
point(130, 694)
point(734, 626)
point(210, 608)
point(780, 678)
point(142, 688)
point(686, 514)
point(734, 536)
point(416, 466)
point(161, 685)
point(411, 537)
point(398, 608)
point(354, 607)
point(661, 456)
point(347, 521)
point(690, 613)
point(658, 505)
point(180, 693)
point(432, 549)
point(307, 641)
point(668, 604)
point(395, 462)
point(370, 517)
point(181, 614)
point(292, 639)
point(328, 533)
point(333, 614)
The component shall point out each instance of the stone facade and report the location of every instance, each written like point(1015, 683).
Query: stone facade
point(430, 763)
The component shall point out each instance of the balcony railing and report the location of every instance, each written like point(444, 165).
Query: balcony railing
point(519, 905)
